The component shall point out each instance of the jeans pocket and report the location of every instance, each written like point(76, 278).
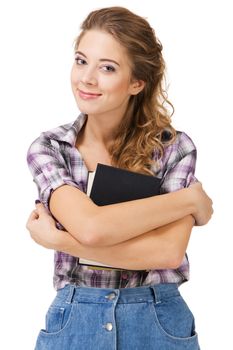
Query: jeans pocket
point(174, 319)
point(58, 318)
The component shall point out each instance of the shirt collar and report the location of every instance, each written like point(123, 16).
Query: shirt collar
point(67, 132)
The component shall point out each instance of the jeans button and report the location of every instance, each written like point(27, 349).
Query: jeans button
point(111, 296)
point(108, 326)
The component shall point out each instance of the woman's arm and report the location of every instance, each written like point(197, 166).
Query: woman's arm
point(112, 224)
point(161, 248)
point(93, 225)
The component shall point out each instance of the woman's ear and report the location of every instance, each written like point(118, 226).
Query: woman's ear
point(137, 86)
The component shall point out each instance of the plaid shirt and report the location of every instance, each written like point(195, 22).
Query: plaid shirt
point(54, 160)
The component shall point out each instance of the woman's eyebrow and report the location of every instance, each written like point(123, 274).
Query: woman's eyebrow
point(101, 59)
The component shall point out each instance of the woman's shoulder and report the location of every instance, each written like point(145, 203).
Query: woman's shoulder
point(182, 143)
point(53, 135)
point(174, 151)
point(56, 133)
point(63, 133)
point(185, 142)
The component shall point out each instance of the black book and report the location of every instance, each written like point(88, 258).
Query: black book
point(110, 185)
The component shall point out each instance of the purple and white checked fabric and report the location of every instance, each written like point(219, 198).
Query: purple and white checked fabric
point(54, 160)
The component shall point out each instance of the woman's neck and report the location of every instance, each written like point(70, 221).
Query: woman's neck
point(99, 131)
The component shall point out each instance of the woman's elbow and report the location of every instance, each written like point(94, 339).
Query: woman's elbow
point(90, 236)
point(175, 260)
point(170, 259)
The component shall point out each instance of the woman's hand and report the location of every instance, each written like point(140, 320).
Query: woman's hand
point(203, 204)
point(42, 227)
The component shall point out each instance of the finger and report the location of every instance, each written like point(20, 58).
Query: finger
point(33, 216)
point(41, 208)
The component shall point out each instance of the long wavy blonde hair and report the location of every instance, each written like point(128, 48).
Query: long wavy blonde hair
point(146, 126)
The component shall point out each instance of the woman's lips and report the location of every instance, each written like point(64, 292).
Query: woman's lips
point(88, 95)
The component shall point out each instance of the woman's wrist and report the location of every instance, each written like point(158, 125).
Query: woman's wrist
point(64, 242)
point(190, 200)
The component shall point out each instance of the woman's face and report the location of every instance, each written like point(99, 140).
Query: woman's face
point(101, 75)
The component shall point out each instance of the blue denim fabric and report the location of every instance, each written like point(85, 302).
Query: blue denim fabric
point(149, 318)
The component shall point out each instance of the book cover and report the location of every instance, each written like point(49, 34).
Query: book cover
point(115, 185)
point(110, 185)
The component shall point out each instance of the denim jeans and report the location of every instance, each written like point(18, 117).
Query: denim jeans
point(142, 318)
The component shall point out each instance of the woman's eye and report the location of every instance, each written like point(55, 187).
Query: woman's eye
point(80, 61)
point(108, 68)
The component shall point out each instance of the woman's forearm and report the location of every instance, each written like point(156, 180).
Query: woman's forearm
point(120, 222)
point(107, 225)
point(158, 249)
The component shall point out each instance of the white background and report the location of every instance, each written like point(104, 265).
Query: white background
point(36, 57)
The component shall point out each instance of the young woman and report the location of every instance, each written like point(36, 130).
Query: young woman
point(117, 81)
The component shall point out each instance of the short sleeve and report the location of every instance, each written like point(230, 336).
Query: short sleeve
point(48, 168)
point(181, 168)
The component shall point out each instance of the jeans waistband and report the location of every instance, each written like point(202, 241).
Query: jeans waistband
point(155, 293)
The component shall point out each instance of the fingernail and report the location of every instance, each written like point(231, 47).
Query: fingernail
point(37, 201)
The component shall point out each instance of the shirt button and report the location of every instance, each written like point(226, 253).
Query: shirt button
point(125, 276)
point(109, 326)
point(111, 296)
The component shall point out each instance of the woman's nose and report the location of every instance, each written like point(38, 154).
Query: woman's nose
point(89, 77)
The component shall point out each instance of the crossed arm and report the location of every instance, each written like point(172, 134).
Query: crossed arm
point(145, 233)
point(163, 247)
